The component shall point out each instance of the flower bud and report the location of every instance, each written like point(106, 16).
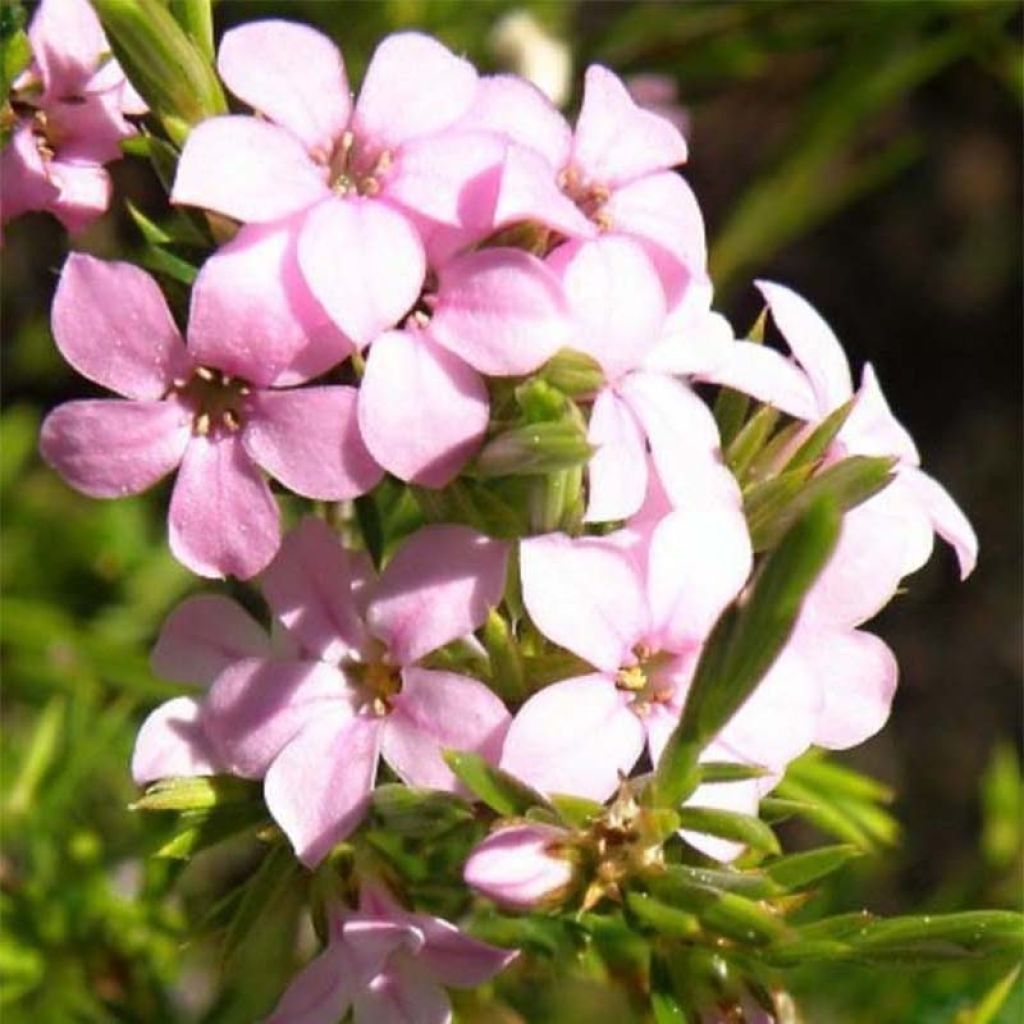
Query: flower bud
point(521, 867)
point(535, 449)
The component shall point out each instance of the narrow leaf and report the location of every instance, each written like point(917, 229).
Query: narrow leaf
point(197, 794)
point(740, 828)
point(499, 790)
point(799, 869)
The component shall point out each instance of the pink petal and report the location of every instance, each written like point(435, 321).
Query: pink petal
point(309, 440)
point(318, 786)
point(413, 87)
point(256, 706)
point(321, 992)
point(946, 516)
point(585, 595)
point(438, 711)
point(108, 448)
point(616, 300)
point(857, 674)
point(84, 194)
point(67, 43)
point(617, 472)
point(529, 191)
point(364, 262)
point(403, 994)
point(682, 434)
point(171, 743)
point(223, 519)
point(438, 587)
point(248, 169)
point(422, 411)
point(27, 184)
point(518, 111)
point(616, 141)
point(203, 636)
point(662, 210)
point(700, 558)
point(813, 343)
point(455, 959)
point(112, 324)
point(290, 73)
point(574, 737)
point(309, 588)
point(450, 178)
point(501, 310)
point(253, 315)
point(871, 428)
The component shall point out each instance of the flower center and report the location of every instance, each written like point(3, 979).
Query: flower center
point(218, 401)
point(381, 683)
point(589, 197)
point(352, 171)
point(644, 679)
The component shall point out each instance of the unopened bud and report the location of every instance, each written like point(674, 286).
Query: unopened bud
point(522, 867)
point(533, 450)
point(573, 372)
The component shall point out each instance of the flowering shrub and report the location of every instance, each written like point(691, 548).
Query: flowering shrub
point(568, 580)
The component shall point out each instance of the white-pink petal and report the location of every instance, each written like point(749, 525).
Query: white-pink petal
point(422, 411)
point(248, 169)
point(223, 520)
point(617, 471)
point(871, 428)
point(439, 586)
point(112, 324)
point(292, 74)
point(171, 743)
point(946, 516)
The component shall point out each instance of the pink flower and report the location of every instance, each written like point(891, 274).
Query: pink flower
point(314, 724)
point(914, 504)
point(638, 606)
point(213, 408)
point(521, 866)
point(423, 406)
point(70, 108)
point(386, 965)
point(366, 175)
point(615, 169)
point(619, 315)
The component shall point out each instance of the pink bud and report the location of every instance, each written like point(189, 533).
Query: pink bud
point(521, 867)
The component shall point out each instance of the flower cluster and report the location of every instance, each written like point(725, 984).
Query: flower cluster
point(443, 296)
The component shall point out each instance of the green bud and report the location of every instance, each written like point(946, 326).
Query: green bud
point(572, 372)
point(532, 450)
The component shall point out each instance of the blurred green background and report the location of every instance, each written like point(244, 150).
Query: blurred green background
point(869, 154)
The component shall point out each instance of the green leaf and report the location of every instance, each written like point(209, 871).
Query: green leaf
point(196, 18)
point(847, 483)
point(576, 811)
point(202, 793)
point(824, 434)
point(36, 762)
point(163, 262)
point(744, 644)
point(407, 811)
point(532, 450)
point(501, 792)
point(727, 771)
point(200, 830)
point(726, 913)
point(740, 828)
point(751, 439)
point(179, 231)
point(753, 884)
point(163, 63)
point(973, 931)
point(506, 663)
point(799, 869)
point(17, 54)
point(993, 1001)
point(730, 411)
point(662, 917)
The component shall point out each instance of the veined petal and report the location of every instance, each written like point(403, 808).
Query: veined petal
point(414, 86)
point(112, 324)
point(248, 169)
point(422, 411)
point(364, 262)
point(256, 706)
point(946, 516)
point(203, 636)
point(292, 74)
point(108, 448)
point(308, 438)
point(617, 141)
point(309, 588)
point(616, 300)
point(223, 519)
point(439, 586)
point(500, 310)
point(813, 343)
point(576, 737)
point(171, 743)
point(318, 786)
point(585, 595)
point(253, 315)
point(438, 711)
point(617, 471)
